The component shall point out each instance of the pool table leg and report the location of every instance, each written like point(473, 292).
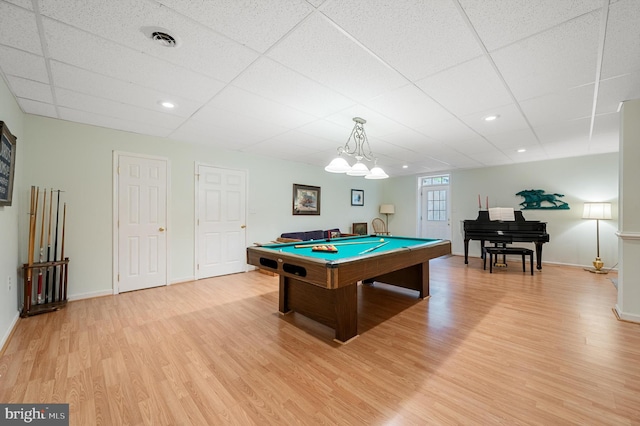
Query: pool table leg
point(346, 311)
point(336, 308)
point(283, 304)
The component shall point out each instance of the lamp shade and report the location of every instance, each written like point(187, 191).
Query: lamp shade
point(376, 173)
point(596, 211)
point(338, 165)
point(387, 209)
point(358, 169)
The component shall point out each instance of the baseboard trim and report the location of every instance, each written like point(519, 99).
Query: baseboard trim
point(9, 333)
point(80, 296)
point(632, 318)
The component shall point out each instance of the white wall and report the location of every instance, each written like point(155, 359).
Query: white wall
point(9, 241)
point(78, 159)
point(572, 239)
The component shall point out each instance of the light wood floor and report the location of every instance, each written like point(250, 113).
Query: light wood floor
point(503, 348)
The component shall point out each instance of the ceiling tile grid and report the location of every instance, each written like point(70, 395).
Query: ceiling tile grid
point(286, 77)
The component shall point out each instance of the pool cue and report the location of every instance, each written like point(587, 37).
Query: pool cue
point(346, 243)
point(30, 250)
point(55, 251)
point(47, 278)
point(374, 248)
point(41, 258)
point(62, 267)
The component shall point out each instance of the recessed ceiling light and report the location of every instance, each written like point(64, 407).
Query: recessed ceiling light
point(405, 167)
point(522, 150)
point(491, 117)
point(167, 104)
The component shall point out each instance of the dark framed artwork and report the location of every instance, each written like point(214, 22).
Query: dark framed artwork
point(359, 228)
point(357, 197)
point(306, 200)
point(7, 164)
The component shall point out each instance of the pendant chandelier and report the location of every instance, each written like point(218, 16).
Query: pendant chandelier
point(359, 152)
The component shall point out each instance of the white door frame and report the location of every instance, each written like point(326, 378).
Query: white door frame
point(422, 214)
point(196, 211)
point(114, 229)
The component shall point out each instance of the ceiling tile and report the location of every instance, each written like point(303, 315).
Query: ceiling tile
point(410, 106)
point(29, 89)
point(318, 50)
point(72, 78)
point(290, 145)
point(416, 38)
point(19, 29)
point(26, 4)
point(606, 134)
point(558, 137)
point(128, 23)
point(206, 133)
point(622, 52)
point(253, 129)
point(37, 108)
point(616, 90)
point(20, 63)
point(108, 108)
point(240, 101)
point(510, 118)
point(254, 23)
point(558, 59)
point(284, 86)
point(500, 22)
point(467, 88)
point(111, 122)
point(447, 130)
point(559, 106)
point(98, 55)
point(514, 140)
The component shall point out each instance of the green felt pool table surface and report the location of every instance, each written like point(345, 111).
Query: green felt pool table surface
point(349, 247)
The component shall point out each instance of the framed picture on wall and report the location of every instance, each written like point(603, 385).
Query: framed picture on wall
point(357, 197)
point(306, 200)
point(359, 228)
point(7, 164)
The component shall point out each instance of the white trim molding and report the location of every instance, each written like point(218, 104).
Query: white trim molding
point(626, 317)
point(628, 235)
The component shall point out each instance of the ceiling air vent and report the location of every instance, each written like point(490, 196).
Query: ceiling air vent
point(164, 39)
point(160, 36)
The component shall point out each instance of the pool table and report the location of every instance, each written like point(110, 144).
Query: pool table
point(323, 285)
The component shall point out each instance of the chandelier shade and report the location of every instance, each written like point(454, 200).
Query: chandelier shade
point(338, 165)
point(361, 151)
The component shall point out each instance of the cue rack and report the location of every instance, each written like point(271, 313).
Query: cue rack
point(46, 271)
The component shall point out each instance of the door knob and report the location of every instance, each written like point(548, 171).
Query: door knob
point(243, 226)
point(161, 229)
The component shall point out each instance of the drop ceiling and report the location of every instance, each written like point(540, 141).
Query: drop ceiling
point(284, 78)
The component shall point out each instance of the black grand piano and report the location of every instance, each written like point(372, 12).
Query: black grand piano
point(505, 232)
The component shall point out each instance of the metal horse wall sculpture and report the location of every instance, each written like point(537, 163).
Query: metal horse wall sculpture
point(533, 199)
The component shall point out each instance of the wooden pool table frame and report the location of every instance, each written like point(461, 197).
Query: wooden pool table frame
point(326, 291)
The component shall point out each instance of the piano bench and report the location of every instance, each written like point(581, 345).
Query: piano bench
point(496, 251)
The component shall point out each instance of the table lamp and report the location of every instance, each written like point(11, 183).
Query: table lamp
point(597, 211)
point(387, 209)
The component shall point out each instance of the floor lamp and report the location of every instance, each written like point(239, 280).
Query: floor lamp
point(597, 211)
point(387, 209)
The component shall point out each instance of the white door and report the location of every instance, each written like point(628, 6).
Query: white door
point(434, 212)
point(141, 221)
point(220, 221)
